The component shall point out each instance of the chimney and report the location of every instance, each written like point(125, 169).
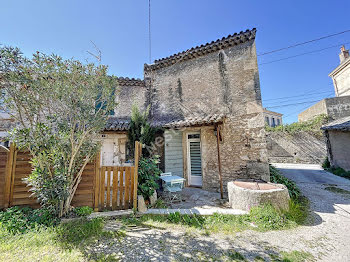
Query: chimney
point(344, 54)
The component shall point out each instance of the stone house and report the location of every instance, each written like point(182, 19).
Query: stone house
point(272, 119)
point(338, 142)
point(207, 100)
point(338, 106)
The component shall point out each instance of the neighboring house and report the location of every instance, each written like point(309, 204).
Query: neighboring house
point(272, 119)
point(341, 75)
point(339, 106)
point(338, 142)
point(191, 95)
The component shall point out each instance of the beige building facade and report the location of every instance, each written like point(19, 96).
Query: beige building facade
point(272, 119)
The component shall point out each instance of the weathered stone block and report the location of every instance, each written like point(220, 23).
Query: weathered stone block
point(242, 195)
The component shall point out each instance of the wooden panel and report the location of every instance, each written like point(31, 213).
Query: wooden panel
point(127, 187)
point(132, 170)
point(102, 188)
point(108, 204)
point(115, 188)
point(4, 153)
point(121, 181)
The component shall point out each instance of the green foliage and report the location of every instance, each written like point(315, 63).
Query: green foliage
point(236, 256)
point(160, 204)
point(22, 219)
point(148, 175)
point(60, 107)
point(312, 126)
point(63, 242)
point(141, 130)
point(326, 163)
point(338, 190)
point(83, 211)
point(262, 218)
point(338, 171)
point(276, 177)
point(267, 217)
point(76, 232)
point(293, 256)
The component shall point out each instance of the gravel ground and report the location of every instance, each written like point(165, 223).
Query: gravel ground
point(327, 236)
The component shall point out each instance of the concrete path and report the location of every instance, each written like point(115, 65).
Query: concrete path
point(326, 236)
point(196, 211)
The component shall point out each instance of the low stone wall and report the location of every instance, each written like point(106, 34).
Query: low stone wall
point(295, 148)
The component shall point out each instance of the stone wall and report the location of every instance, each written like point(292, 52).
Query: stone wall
point(338, 107)
point(313, 111)
point(338, 149)
point(222, 82)
point(333, 107)
point(128, 95)
point(295, 148)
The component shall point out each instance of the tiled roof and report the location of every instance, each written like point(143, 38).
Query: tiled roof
point(230, 40)
point(342, 124)
point(195, 121)
point(117, 124)
point(126, 81)
point(123, 124)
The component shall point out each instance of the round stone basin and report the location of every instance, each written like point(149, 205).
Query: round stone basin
point(245, 194)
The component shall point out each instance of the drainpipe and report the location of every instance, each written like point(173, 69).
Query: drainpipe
point(218, 133)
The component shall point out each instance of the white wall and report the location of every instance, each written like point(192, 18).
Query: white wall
point(113, 150)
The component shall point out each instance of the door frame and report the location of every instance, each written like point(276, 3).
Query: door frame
point(200, 182)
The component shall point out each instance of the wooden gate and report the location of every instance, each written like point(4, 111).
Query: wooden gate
point(117, 185)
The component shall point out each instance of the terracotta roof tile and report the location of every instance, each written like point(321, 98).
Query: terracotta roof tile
point(123, 124)
point(342, 124)
point(230, 40)
point(195, 121)
point(126, 81)
point(117, 124)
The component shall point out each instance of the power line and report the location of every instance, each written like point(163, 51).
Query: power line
point(293, 104)
point(303, 43)
point(287, 97)
point(149, 32)
point(314, 51)
point(320, 97)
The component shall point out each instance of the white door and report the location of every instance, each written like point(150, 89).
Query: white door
point(194, 159)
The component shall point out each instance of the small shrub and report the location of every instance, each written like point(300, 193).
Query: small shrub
point(83, 211)
point(21, 219)
point(276, 177)
point(267, 217)
point(148, 176)
point(338, 171)
point(326, 163)
point(160, 204)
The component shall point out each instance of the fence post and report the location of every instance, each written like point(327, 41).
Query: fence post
point(9, 175)
point(138, 152)
point(97, 180)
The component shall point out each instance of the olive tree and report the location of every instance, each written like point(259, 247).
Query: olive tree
point(60, 107)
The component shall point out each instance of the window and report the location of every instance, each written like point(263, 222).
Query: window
point(273, 122)
point(278, 121)
point(267, 120)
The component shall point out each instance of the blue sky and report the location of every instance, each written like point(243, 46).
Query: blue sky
point(120, 30)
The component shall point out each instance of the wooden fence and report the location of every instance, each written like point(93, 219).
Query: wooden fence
point(92, 191)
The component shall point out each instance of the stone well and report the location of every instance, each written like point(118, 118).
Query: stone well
point(245, 194)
